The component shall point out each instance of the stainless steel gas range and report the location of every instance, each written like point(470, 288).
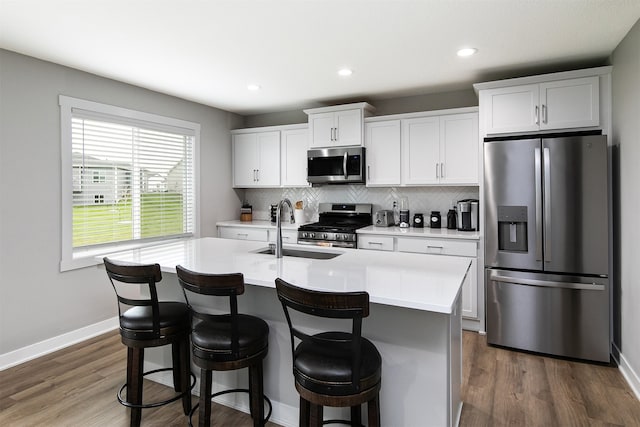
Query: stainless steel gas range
point(337, 225)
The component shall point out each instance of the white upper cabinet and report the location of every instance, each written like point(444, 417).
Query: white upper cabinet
point(294, 144)
point(440, 150)
point(420, 151)
point(561, 104)
point(459, 149)
point(382, 141)
point(256, 159)
point(337, 126)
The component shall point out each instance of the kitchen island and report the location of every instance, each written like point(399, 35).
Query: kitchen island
point(415, 320)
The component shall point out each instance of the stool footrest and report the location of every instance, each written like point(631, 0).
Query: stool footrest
point(233, 390)
point(154, 404)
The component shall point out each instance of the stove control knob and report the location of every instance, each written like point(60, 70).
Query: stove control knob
point(324, 236)
point(312, 235)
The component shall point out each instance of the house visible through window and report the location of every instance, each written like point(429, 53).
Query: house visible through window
point(131, 176)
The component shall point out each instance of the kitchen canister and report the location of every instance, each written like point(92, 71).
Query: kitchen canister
point(418, 220)
point(435, 219)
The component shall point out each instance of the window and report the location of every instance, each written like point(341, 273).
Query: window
point(128, 178)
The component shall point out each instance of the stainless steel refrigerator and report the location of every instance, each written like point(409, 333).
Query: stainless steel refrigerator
point(547, 244)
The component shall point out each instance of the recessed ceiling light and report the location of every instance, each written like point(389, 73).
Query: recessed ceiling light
point(345, 72)
point(467, 51)
point(253, 87)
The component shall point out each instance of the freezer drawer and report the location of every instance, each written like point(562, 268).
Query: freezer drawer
point(552, 314)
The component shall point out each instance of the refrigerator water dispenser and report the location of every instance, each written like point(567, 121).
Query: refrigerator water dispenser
point(512, 228)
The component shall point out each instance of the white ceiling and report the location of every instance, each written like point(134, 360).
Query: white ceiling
point(208, 51)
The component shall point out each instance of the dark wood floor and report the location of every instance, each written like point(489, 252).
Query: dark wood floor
point(76, 387)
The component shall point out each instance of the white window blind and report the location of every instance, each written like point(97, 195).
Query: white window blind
point(131, 180)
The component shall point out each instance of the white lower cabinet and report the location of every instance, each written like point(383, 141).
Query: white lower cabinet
point(443, 247)
point(240, 232)
point(378, 243)
point(244, 233)
point(288, 236)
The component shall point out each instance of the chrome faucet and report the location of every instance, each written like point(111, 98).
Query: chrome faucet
point(279, 225)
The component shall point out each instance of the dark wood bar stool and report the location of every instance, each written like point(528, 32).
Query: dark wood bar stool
point(223, 342)
point(146, 322)
point(340, 369)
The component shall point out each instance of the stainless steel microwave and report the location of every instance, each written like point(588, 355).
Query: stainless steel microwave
point(341, 165)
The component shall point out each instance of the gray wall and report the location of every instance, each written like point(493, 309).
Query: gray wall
point(38, 302)
point(406, 104)
point(626, 130)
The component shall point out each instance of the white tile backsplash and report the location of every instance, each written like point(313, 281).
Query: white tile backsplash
point(421, 199)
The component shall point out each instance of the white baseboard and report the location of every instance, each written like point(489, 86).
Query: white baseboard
point(281, 413)
point(628, 373)
point(24, 354)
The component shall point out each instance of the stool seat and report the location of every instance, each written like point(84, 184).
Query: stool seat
point(325, 367)
point(170, 315)
point(211, 338)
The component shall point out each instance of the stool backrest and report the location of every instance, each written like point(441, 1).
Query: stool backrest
point(335, 305)
point(120, 272)
point(198, 285)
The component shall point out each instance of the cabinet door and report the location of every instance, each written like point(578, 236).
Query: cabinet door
point(470, 291)
point(268, 144)
point(321, 131)
point(382, 141)
point(294, 145)
point(512, 109)
point(245, 161)
point(348, 127)
point(459, 148)
point(420, 150)
point(570, 103)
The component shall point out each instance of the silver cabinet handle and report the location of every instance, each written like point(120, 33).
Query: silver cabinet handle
point(538, 178)
point(536, 116)
point(258, 175)
point(332, 134)
point(437, 171)
point(547, 205)
point(368, 173)
point(336, 134)
point(544, 113)
point(375, 243)
point(242, 234)
point(441, 170)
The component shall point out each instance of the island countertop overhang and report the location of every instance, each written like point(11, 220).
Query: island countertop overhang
point(416, 281)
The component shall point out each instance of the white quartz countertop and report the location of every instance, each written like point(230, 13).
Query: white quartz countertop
point(441, 233)
point(417, 281)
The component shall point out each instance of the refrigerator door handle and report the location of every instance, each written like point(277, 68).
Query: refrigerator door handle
point(547, 284)
point(538, 178)
point(547, 205)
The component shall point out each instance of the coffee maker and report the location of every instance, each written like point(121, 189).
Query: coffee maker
point(468, 215)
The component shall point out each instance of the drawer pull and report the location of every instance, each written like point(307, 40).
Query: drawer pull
point(435, 247)
point(242, 234)
point(375, 243)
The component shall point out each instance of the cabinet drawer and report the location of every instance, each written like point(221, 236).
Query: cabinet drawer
point(240, 233)
point(288, 236)
point(380, 243)
point(438, 246)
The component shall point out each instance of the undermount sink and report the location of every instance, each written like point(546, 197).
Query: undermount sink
point(300, 253)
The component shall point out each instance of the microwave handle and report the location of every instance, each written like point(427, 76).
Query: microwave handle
point(344, 165)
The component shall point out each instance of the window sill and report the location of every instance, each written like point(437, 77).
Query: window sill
point(87, 257)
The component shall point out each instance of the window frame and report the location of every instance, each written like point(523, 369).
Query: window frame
point(84, 257)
